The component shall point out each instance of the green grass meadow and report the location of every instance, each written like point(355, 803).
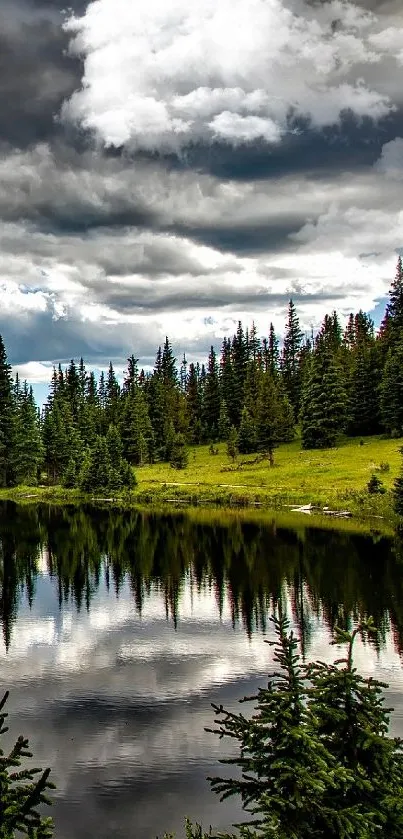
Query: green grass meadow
point(336, 478)
point(323, 477)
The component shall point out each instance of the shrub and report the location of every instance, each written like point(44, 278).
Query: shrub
point(375, 486)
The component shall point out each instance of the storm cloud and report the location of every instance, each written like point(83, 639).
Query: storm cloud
point(169, 170)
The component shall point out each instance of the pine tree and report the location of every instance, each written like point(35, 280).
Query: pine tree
point(323, 410)
point(232, 443)
point(136, 430)
point(157, 413)
point(73, 389)
point(268, 417)
point(239, 369)
point(28, 444)
point(194, 404)
point(211, 398)
point(363, 408)
point(227, 379)
point(115, 448)
point(398, 492)
point(247, 438)
point(391, 331)
point(391, 392)
point(352, 724)
point(130, 382)
point(286, 420)
point(21, 791)
point(288, 777)
point(112, 399)
point(7, 422)
point(290, 355)
point(96, 472)
point(223, 422)
point(168, 365)
point(273, 357)
point(179, 454)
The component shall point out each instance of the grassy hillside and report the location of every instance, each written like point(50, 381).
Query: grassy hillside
point(331, 477)
point(334, 477)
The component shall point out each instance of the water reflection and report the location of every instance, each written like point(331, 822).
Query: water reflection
point(333, 575)
point(121, 628)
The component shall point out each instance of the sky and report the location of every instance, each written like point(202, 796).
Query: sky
point(171, 168)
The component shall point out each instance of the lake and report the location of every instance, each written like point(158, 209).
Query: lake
point(120, 628)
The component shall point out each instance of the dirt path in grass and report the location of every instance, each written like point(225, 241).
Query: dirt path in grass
point(201, 484)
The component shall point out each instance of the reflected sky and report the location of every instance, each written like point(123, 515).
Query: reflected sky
point(116, 699)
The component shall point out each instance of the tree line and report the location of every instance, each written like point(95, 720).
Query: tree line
point(91, 433)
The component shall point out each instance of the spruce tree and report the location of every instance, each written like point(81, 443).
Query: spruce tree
point(391, 392)
point(288, 778)
point(352, 724)
point(179, 453)
point(290, 369)
point(21, 791)
point(96, 471)
point(268, 417)
point(211, 398)
point(223, 422)
point(130, 381)
point(136, 430)
point(227, 380)
point(112, 399)
point(194, 404)
point(168, 365)
point(239, 369)
point(363, 407)
point(398, 492)
point(273, 357)
point(232, 443)
point(323, 410)
point(28, 444)
point(391, 331)
point(247, 437)
point(7, 422)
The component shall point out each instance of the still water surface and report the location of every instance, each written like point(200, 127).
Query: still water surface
point(120, 629)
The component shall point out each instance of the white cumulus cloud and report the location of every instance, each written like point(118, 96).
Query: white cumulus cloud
point(159, 75)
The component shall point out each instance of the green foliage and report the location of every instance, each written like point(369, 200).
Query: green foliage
point(314, 759)
point(375, 485)
point(211, 398)
point(268, 417)
point(28, 444)
point(391, 392)
point(323, 400)
point(247, 438)
point(100, 472)
point(290, 358)
point(179, 454)
point(7, 423)
point(21, 791)
point(232, 443)
point(398, 491)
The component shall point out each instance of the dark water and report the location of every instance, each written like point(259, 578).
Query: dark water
point(119, 630)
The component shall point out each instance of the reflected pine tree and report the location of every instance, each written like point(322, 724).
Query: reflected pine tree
point(249, 567)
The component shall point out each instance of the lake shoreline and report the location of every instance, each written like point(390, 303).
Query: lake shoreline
point(335, 478)
point(367, 512)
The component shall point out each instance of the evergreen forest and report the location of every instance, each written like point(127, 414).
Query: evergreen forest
point(253, 394)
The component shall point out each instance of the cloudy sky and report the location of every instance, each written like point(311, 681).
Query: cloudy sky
point(169, 168)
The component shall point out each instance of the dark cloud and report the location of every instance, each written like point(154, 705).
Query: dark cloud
point(74, 209)
point(36, 74)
